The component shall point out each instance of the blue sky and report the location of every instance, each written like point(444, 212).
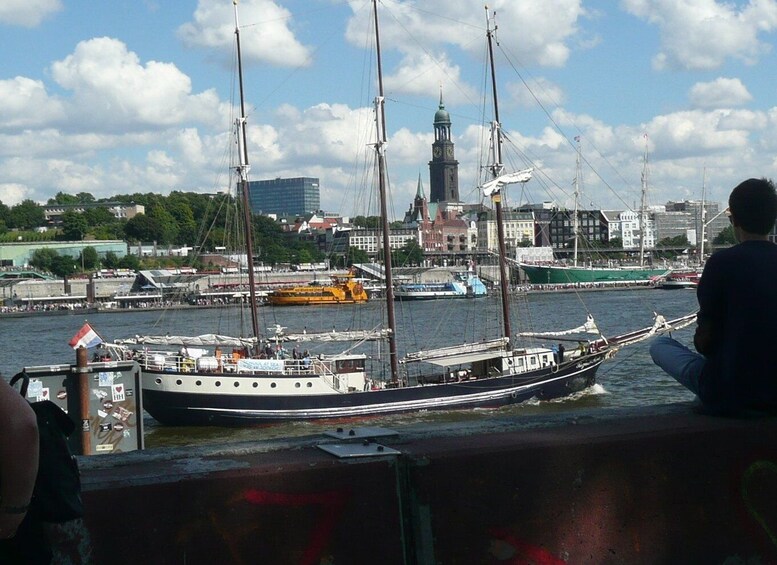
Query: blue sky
point(134, 95)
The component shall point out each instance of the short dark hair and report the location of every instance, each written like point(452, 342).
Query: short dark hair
point(753, 205)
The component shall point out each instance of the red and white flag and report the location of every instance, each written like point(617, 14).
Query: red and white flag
point(86, 337)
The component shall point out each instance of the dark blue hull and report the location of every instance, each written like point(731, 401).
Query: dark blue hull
point(184, 408)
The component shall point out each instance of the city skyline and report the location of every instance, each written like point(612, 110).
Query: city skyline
point(134, 98)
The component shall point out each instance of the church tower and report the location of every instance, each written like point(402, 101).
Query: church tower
point(443, 168)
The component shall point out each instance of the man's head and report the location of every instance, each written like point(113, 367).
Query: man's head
point(753, 206)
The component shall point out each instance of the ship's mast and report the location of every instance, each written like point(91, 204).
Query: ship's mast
point(643, 206)
point(575, 220)
point(496, 198)
point(242, 173)
point(703, 214)
point(380, 151)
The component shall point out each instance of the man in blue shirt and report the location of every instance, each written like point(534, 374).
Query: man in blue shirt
point(735, 367)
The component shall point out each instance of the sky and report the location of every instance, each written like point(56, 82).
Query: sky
point(134, 96)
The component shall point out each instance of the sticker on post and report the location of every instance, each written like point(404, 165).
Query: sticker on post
point(117, 393)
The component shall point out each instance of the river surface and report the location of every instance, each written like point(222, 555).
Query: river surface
point(629, 379)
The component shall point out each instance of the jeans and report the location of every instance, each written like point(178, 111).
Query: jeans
point(678, 361)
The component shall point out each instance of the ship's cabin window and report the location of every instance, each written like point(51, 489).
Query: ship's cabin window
point(350, 365)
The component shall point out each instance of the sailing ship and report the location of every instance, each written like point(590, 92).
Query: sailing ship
point(222, 380)
point(576, 274)
point(344, 289)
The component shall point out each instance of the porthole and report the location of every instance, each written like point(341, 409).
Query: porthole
point(310, 385)
point(158, 381)
point(296, 385)
point(179, 382)
point(273, 385)
point(218, 383)
point(237, 384)
point(198, 383)
point(256, 384)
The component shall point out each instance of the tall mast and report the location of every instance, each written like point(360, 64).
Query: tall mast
point(496, 198)
point(380, 151)
point(242, 172)
point(643, 206)
point(703, 213)
point(575, 221)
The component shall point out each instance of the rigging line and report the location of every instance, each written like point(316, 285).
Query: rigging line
point(427, 52)
point(566, 137)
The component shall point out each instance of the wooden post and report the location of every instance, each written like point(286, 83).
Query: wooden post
point(82, 373)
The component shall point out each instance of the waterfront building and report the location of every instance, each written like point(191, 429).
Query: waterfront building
point(53, 213)
point(285, 197)
point(370, 241)
point(19, 253)
point(519, 229)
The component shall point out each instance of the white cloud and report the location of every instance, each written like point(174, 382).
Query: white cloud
point(702, 34)
point(13, 193)
point(542, 90)
point(418, 73)
point(27, 13)
point(720, 93)
point(27, 104)
point(112, 90)
point(265, 33)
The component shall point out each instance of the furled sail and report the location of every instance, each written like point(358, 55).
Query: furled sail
point(458, 354)
point(588, 327)
point(496, 184)
point(204, 340)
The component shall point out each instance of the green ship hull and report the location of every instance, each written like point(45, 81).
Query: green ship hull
point(539, 274)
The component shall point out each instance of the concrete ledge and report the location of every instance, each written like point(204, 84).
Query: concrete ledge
point(656, 485)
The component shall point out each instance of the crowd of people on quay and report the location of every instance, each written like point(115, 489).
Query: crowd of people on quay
point(584, 286)
point(47, 307)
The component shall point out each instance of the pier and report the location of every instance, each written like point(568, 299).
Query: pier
point(661, 484)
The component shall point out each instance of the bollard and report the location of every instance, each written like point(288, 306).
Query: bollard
point(82, 373)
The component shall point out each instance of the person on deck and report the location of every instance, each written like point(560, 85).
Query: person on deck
point(734, 368)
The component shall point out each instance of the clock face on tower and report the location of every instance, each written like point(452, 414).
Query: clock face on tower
point(449, 151)
point(437, 151)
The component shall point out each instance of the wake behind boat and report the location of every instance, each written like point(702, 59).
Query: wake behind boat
point(218, 379)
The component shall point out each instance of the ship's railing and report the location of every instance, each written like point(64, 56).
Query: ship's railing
point(174, 362)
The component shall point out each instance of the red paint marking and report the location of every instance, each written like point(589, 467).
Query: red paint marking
point(529, 553)
point(332, 504)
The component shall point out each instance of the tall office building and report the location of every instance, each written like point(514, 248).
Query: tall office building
point(284, 197)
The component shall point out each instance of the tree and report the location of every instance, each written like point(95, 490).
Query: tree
point(62, 199)
point(90, 259)
point(26, 215)
point(74, 226)
point(98, 216)
point(130, 262)
point(111, 260)
point(141, 228)
point(410, 254)
point(369, 222)
point(43, 258)
point(63, 266)
point(725, 237)
point(356, 255)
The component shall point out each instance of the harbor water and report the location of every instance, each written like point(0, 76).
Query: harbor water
point(629, 379)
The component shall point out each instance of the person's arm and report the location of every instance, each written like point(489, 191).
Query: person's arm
point(711, 303)
point(18, 458)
